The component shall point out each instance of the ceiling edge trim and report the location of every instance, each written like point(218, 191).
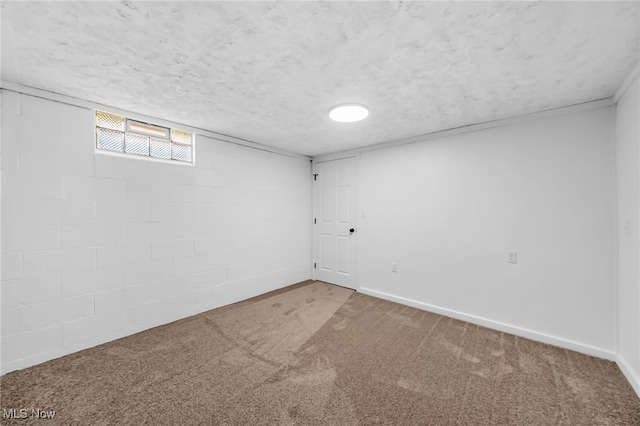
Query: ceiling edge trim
point(82, 103)
point(585, 106)
point(635, 72)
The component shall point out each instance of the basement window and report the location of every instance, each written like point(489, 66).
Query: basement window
point(116, 133)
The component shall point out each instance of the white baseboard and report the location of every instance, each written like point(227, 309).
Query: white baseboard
point(496, 325)
point(633, 379)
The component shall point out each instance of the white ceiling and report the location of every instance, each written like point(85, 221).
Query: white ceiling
point(269, 72)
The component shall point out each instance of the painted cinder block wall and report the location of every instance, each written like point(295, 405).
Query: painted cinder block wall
point(447, 210)
point(627, 132)
point(96, 246)
point(86, 246)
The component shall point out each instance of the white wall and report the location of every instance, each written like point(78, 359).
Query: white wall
point(95, 247)
point(448, 210)
point(628, 184)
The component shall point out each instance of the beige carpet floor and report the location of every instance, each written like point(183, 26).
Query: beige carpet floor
point(318, 354)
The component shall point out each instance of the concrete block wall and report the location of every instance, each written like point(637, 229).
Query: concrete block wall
point(627, 131)
point(96, 247)
point(543, 188)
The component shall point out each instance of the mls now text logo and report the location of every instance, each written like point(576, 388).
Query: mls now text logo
point(23, 413)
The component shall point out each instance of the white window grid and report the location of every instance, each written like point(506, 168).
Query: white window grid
point(116, 133)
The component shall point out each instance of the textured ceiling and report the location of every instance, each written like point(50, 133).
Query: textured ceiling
point(269, 72)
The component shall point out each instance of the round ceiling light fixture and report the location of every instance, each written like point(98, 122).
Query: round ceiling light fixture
point(348, 113)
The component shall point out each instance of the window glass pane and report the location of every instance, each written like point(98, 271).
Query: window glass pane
point(109, 121)
point(160, 148)
point(147, 129)
point(110, 140)
point(120, 134)
point(181, 136)
point(181, 152)
point(136, 144)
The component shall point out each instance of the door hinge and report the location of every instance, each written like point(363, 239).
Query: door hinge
point(314, 265)
point(314, 221)
point(315, 176)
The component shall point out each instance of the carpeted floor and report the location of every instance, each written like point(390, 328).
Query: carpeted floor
point(318, 354)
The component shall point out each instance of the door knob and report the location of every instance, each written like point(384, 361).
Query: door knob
point(352, 230)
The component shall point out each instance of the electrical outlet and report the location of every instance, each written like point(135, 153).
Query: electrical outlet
point(512, 257)
point(394, 267)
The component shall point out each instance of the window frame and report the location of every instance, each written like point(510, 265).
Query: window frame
point(128, 127)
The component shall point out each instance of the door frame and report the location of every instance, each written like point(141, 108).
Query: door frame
point(314, 209)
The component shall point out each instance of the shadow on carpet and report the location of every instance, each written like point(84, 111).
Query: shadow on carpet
point(319, 354)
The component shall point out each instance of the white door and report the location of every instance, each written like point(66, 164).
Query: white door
point(335, 222)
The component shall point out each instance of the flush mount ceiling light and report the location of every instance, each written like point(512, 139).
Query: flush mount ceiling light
point(348, 113)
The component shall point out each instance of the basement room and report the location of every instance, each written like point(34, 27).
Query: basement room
point(320, 213)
